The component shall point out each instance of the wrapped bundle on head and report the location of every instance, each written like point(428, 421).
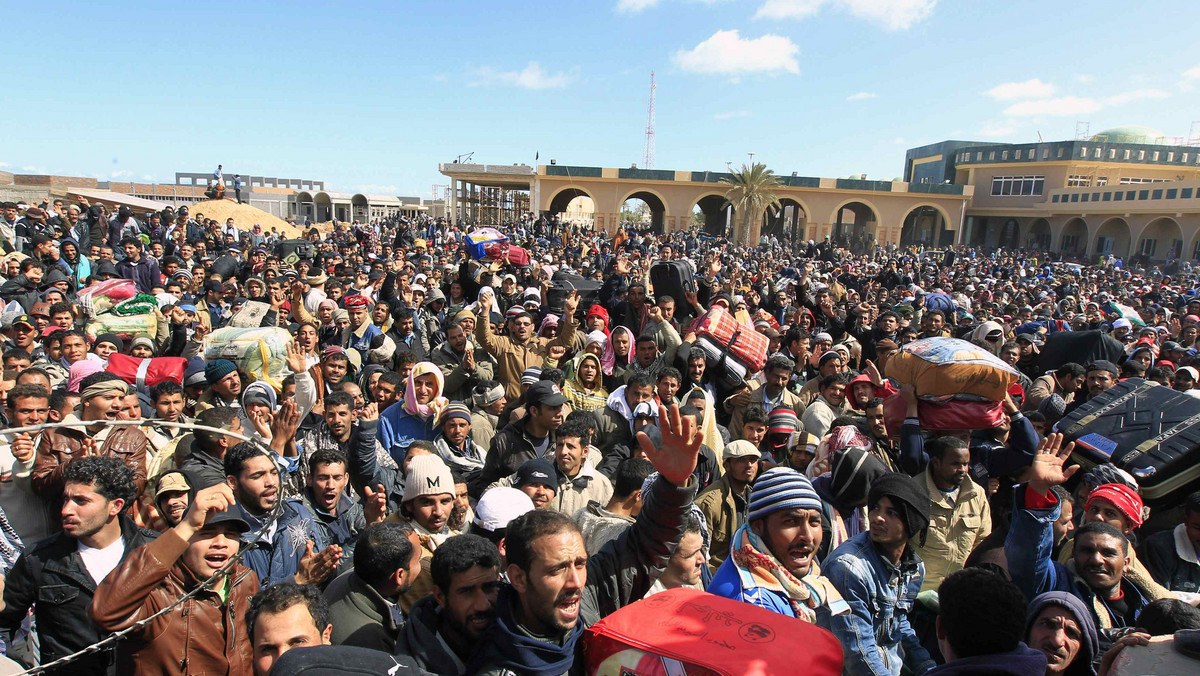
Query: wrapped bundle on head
point(127, 327)
point(100, 298)
point(949, 366)
point(260, 353)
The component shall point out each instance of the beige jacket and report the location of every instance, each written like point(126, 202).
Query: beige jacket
point(954, 529)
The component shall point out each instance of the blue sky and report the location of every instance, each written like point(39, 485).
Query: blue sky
point(371, 96)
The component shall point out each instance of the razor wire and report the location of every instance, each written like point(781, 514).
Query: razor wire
point(207, 584)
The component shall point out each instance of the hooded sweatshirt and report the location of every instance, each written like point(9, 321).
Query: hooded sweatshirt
point(1088, 647)
point(509, 646)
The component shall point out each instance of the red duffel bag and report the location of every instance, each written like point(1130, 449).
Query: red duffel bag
point(687, 632)
point(146, 373)
point(743, 343)
point(503, 251)
point(949, 415)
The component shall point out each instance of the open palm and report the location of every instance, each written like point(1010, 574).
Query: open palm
point(1048, 468)
point(675, 458)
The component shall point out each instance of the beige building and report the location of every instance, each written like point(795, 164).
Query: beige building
point(1127, 192)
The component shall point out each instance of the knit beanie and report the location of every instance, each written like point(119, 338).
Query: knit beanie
point(852, 473)
point(456, 409)
point(110, 338)
point(1124, 498)
point(1053, 407)
point(782, 420)
point(531, 375)
point(427, 475)
point(216, 370)
point(781, 488)
point(908, 496)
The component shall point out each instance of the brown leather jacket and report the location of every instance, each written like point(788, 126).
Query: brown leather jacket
point(63, 444)
point(202, 636)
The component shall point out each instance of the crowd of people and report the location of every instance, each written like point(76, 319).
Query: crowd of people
point(467, 462)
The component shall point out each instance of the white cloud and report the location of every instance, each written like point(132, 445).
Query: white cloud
point(632, 6)
point(120, 173)
point(1062, 106)
point(1192, 73)
point(34, 169)
point(1084, 78)
point(862, 96)
point(1135, 95)
point(899, 140)
point(3, 164)
point(531, 76)
point(1029, 89)
point(727, 53)
point(731, 114)
point(891, 14)
point(996, 129)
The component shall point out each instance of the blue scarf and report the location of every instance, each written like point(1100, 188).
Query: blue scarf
point(507, 647)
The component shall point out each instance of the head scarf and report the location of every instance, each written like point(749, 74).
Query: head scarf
point(364, 380)
point(1124, 498)
point(80, 370)
point(104, 387)
point(550, 321)
point(433, 410)
point(609, 360)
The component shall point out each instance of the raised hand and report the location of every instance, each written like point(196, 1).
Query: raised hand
point(570, 304)
point(215, 498)
point(369, 412)
point(873, 373)
point(375, 504)
point(675, 458)
point(1048, 468)
point(468, 362)
point(314, 568)
point(295, 358)
point(286, 420)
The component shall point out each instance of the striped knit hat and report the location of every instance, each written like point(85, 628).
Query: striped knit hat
point(782, 420)
point(531, 375)
point(456, 409)
point(781, 488)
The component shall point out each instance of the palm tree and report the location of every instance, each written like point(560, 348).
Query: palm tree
point(752, 192)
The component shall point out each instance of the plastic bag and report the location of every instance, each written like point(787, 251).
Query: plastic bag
point(260, 353)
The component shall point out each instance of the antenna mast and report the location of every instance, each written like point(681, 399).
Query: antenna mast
point(648, 152)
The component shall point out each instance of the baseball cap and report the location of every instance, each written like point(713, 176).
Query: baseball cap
point(500, 505)
point(539, 471)
point(171, 482)
point(544, 393)
point(25, 320)
point(229, 516)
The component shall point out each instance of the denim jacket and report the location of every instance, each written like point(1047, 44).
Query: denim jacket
point(875, 634)
point(277, 556)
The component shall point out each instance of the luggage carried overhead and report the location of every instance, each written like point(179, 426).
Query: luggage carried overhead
point(1080, 347)
point(949, 366)
point(673, 278)
point(563, 283)
point(747, 346)
point(260, 353)
point(147, 372)
point(1146, 429)
point(687, 632)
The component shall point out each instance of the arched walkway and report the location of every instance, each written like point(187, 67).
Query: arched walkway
point(1160, 240)
point(926, 224)
point(657, 208)
point(1038, 237)
point(304, 207)
point(1074, 237)
point(862, 229)
point(324, 206)
point(562, 199)
point(1113, 238)
point(716, 211)
point(359, 209)
point(789, 220)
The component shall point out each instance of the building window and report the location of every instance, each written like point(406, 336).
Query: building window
point(1141, 154)
point(1155, 157)
point(1104, 245)
point(1118, 196)
point(1017, 154)
point(1112, 153)
point(1138, 180)
point(1156, 195)
point(1196, 251)
point(1102, 180)
point(1126, 154)
point(1083, 152)
point(1084, 198)
point(1183, 158)
point(978, 155)
point(1055, 198)
point(1019, 186)
point(1172, 194)
point(1185, 193)
point(1075, 197)
point(1170, 156)
point(1096, 154)
point(1078, 181)
point(1004, 154)
point(1108, 197)
point(1060, 152)
point(1071, 243)
point(1143, 194)
point(1045, 153)
point(1130, 195)
point(991, 155)
point(1148, 247)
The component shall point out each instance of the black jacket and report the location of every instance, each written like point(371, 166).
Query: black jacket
point(51, 577)
point(511, 447)
point(424, 641)
point(22, 290)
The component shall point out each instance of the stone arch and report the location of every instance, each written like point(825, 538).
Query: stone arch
point(1074, 238)
point(1038, 235)
point(716, 210)
point(656, 202)
point(869, 227)
point(359, 208)
point(1162, 238)
point(324, 207)
point(562, 198)
point(790, 219)
point(305, 207)
point(921, 225)
point(1112, 237)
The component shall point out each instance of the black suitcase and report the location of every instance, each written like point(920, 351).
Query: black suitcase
point(561, 286)
point(1080, 347)
point(301, 247)
point(1146, 429)
point(674, 279)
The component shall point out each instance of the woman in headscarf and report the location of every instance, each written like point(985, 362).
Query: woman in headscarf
point(585, 390)
point(367, 379)
point(618, 355)
point(415, 417)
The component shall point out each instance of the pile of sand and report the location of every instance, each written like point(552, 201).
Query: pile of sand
point(244, 216)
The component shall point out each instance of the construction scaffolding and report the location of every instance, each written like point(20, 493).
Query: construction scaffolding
point(490, 205)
